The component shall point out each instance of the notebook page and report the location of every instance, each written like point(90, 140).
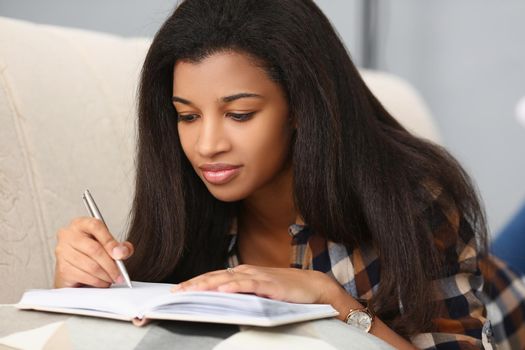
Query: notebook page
point(117, 299)
point(211, 302)
point(155, 300)
point(233, 308)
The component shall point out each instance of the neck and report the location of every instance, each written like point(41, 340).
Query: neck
point(270, 210)
point(263, 224)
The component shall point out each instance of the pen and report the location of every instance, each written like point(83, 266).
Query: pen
point(94, 212)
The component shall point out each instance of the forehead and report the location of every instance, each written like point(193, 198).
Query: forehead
point(223, 70)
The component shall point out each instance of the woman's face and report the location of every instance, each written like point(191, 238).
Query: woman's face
point(233, 124)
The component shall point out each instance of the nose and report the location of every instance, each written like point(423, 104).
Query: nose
point(212, 139)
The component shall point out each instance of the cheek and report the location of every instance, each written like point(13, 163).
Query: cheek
point(266, 148)
point(186, 140)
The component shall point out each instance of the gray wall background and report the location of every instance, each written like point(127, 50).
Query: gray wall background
point(466, 57)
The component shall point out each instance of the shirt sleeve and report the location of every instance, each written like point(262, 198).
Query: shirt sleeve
point(460, 321)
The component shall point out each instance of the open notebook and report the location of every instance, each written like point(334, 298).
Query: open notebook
point(156, 301)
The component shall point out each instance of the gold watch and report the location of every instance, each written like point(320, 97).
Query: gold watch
point(361, 318)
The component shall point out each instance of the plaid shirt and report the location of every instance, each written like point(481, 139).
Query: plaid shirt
point(479, 289)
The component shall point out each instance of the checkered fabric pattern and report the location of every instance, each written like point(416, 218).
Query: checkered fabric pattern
point(482, 301)
point(504, 298)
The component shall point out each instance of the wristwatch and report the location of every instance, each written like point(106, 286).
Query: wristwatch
point(362, 318)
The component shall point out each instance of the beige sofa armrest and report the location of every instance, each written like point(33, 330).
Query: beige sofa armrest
point(67, 113)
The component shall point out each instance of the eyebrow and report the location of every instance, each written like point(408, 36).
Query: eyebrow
point(225, 99)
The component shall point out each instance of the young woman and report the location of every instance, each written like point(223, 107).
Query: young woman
point(266, 166)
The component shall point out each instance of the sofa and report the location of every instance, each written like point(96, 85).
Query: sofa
point(67, 123)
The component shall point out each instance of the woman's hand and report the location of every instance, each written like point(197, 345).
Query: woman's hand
point(286, 284)
point(84, 255)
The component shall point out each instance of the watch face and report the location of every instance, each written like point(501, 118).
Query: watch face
point(360, 320)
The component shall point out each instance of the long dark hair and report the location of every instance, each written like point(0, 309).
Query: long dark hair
point(358, 174)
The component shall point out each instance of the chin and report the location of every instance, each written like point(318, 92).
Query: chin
point(226, 195)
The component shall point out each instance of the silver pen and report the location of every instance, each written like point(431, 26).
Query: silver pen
point(94, 212)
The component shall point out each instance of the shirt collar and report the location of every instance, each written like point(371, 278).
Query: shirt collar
point(293, 230)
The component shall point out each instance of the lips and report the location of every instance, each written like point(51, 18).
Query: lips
point(219, 173)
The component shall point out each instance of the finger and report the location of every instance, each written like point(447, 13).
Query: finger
point(204, 276)
point(98, 229)
point(122, 251)
point(131, 249)
point(94, 250)
point(261, 288)
point(140, 322)
point(208, 281)
point(249, 269)
point(203, 282)
point(76, 276)
point(87, 264)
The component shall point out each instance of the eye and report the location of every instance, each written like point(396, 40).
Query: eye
point(188, 118)
point(240, 117)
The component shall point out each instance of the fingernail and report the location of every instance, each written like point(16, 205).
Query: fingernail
point(120, 279)
point(119, 252)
